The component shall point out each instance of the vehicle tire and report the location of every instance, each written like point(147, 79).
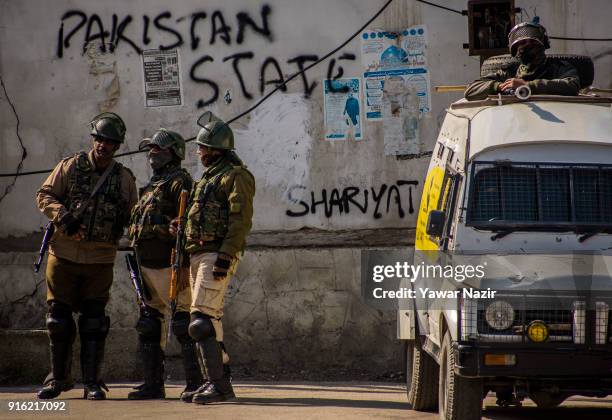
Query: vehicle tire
point(421, 378)
point(459, 398)
point(583, 63)
point(497, 62)
point(546, 399)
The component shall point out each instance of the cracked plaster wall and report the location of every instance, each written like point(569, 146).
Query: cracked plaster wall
point(303, 305)
point(292, 308)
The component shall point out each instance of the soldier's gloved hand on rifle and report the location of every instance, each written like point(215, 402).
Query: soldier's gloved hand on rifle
point(70, 224)
point(222, 265)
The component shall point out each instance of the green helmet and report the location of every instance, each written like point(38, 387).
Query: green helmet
point(214, 133)
point(166, 139)
point(109, 126)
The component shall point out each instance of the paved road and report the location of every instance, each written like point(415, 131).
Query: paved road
point(289, 400)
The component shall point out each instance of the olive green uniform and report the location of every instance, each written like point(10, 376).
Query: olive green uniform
point(158, 205)
point(149, 223)
point(549, 78)
point(219, 219)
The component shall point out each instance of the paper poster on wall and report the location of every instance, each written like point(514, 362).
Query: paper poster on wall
point(400, 111)
point(373, 43)
point(400, 55)
point(342, 108)
point(417, 78)
point(413, 41)
point(162, 81)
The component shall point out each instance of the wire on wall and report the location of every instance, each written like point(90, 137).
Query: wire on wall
point(252, 108)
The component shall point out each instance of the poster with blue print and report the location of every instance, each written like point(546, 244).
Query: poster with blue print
point(342, 107)
point(391, 55)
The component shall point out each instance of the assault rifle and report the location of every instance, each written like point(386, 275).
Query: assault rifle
point(49, 231)
point(142, 293)
point(177, 259)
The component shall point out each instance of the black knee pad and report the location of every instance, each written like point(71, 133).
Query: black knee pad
point(92, 309)
point(180, 327)
point(201, 327)
point(149, 328)
point(93, 328)
point(60, 323)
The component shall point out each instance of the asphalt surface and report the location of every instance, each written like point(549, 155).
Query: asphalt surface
point(285, 400)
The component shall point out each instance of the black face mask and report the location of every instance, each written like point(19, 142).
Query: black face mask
point(157, 161)
point(528, 55)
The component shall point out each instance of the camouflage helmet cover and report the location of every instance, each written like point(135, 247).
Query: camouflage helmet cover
point(108, 125)
point(527, 30)
point(165, 139)
point(215, 133)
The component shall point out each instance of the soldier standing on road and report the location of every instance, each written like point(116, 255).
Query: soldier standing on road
point(219, 218)
point(157, 207)
point(88, 197)
point(527, 43)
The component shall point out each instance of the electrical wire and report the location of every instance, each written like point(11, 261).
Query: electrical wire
point(252, 108)
point(528, 17)
point(580, 39)
point(440, 6)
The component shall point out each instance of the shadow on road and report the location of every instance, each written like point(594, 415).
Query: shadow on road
point(561, 413)
point(320, 402)
point(331, 388)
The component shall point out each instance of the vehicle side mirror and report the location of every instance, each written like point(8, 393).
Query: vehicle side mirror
point(435, 223)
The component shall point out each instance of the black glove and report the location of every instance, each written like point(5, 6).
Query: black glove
point(70, 224)
point(222, 265)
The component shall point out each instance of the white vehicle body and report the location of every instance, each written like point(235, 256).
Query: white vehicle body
point(524, 186)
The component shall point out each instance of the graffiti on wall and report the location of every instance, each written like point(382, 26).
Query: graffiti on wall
point(78, 29)
point(377, 201)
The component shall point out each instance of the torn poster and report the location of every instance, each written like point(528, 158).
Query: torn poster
point(394, 55)
point(400, 110)
point(162, 81)
point(342, 108)
point(418, 78)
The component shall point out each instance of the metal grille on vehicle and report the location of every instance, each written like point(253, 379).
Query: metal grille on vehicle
point(518, 194)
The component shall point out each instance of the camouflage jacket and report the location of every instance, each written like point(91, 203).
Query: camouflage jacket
point(550, 78)
point(220, 210)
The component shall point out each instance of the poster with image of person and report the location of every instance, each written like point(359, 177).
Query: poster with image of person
point(342, 102)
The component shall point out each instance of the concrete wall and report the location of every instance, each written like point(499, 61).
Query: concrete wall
point(295, 299)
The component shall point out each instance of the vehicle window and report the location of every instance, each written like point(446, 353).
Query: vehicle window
point(540, 194)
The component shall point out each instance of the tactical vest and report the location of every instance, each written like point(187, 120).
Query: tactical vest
point(208, 217)
point(155, 208)
point(104, 217)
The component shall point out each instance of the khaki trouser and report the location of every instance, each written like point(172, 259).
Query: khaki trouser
point(208, 293)
point(72, 283)
point(157, 281)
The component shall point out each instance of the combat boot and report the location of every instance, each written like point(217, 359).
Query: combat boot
point(153, 363)
point(215, 392)
point(60, 378)
point(193, 371)
point(53, 387)
point(92, 355)
point(219, 388)
point(187, 395)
